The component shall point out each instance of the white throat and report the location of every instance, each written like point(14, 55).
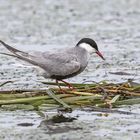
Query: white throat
point(87, 47)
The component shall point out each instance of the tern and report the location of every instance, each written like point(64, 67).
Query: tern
point(61, 63)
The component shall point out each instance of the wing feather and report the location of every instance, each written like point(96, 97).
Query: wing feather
point(54, 63)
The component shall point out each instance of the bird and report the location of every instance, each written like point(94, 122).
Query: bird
point(61, 63)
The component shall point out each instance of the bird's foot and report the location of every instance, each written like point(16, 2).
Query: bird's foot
point(70, 86)
point(62, 91)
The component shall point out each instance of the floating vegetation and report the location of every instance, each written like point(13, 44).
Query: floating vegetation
point(100, 95)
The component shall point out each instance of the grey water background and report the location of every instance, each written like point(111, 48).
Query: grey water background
point(47, 24)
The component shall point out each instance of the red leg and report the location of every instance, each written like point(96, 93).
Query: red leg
point(68, 84)
point(60, 87)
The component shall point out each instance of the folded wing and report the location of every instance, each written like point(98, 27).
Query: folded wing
point(55, 64)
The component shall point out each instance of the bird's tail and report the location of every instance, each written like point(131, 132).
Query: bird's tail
point(18, 54)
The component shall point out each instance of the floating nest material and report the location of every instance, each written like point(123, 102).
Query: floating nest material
point(101, 95)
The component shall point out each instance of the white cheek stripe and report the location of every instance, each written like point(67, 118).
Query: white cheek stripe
point(87, 47)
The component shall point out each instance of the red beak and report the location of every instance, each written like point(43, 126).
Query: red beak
point(100, 55)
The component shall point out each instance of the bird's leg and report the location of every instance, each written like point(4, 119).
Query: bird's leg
point(63, 91)
point(70, 86)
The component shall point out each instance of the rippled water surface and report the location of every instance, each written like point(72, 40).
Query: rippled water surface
point(44, 25)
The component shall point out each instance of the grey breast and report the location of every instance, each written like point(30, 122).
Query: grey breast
point(61, 64)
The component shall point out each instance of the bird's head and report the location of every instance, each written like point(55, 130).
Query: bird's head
point(90, 46)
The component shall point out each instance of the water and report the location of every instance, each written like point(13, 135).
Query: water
point(46, 24)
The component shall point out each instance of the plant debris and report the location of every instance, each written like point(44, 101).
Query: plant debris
point(97, 95)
